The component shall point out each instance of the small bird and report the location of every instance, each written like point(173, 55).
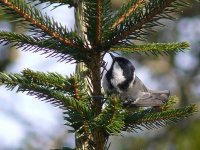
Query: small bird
point(121, 80)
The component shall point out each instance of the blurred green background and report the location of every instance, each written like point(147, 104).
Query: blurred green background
point(178, 72)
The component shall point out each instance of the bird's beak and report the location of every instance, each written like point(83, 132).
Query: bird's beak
point(112, 56)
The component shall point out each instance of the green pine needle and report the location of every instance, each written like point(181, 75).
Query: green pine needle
point(126, 10)
point(42, 25)
point(139, 23)
point(48, 46)
point(48, 90)
point(154, 48)
point(93, 20)
point(53, 80)
point(111, 118)
point(45, 87)
point(151, 119)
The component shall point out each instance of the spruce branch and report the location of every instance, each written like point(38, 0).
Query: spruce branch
point(140, 21)
point(107, 14)
point(96, 15)
point(44, 91)
point(48, 46)
point(171, 103)
point(93, 20)
point(111, 118)
point(154, 48)
point(52, 80)
point(127, 10)
point(26, 13)
point(151, 119)
point(67, 85)
point(78, 109)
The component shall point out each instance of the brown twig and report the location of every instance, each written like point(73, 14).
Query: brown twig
point(128, 13)
point(147, 18)
point(37, 23)
point(99, 13)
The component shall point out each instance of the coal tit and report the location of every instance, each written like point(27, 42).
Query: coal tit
point(121, 80)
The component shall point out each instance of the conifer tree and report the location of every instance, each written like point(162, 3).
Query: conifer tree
point(100, 30)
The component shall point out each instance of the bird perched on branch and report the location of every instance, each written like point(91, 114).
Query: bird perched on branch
point(121, 80)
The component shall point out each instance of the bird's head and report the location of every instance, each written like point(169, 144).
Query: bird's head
point(121, 72)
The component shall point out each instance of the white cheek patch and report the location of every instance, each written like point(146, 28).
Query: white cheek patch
point(118, 76)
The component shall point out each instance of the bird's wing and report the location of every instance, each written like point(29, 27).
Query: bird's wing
point(139, 85)
point(146, 99)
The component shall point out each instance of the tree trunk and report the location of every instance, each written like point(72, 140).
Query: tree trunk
point(99, 134)
point(98, 138)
